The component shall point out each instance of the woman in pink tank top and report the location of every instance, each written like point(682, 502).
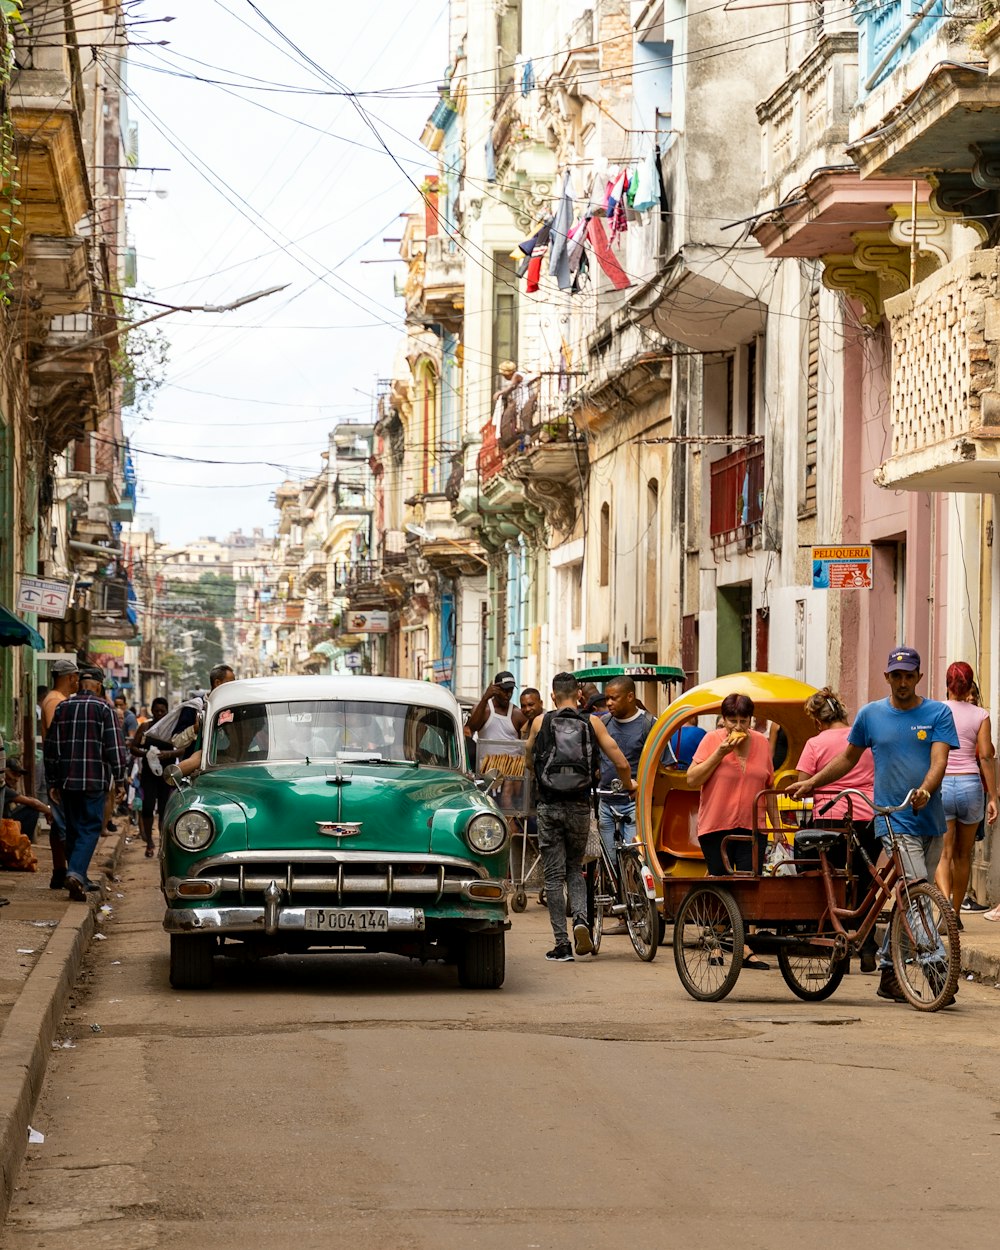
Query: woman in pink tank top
point(969, 769)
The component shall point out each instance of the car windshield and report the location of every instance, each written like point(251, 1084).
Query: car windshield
point(340, 729)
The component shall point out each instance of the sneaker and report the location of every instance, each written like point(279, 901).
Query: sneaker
point(581, 938)
point(890, 988)
point(154, 761)
point(970, 904)
point(561, 954)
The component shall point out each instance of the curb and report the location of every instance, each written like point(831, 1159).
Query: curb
point(984, 965)
point(30, 1029)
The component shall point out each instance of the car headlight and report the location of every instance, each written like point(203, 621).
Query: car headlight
point(486, 833)
point(193, 830)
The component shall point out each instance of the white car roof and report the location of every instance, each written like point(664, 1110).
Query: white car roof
point(345, 686)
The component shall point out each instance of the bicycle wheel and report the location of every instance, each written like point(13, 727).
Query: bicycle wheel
point(812, 975)
point(924, 943)
point(641, 916)
point(596, 892)
point(708, 943)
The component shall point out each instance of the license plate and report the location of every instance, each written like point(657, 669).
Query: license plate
point(348, 919)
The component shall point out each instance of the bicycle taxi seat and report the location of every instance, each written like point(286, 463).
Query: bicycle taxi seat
point(809, 842)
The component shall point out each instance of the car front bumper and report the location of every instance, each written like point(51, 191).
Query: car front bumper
point(281, 920)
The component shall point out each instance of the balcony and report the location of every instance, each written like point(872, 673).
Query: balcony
point(927, 100)
point(945, 389)
point(737, 496)
point(444, 280)
point(804, 123)
point(46, 107)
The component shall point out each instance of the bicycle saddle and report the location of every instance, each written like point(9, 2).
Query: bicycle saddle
point(812, 841)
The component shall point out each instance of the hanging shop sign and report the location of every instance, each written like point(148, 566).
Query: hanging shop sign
point(842, 568)
point(366, 622)
point(47, 598)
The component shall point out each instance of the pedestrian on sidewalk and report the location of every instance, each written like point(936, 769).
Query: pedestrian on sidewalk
point(563, 749)
point(85, 757)
point(154, 790)
point(65, 683)
point(970, 769)
point(909, 738)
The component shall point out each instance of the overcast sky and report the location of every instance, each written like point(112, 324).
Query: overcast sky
point(254, 200)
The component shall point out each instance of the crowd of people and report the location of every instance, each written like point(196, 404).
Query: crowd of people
point(590, 739)
point(941, 750)
point(100, 756)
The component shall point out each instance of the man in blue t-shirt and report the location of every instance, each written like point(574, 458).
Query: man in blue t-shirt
point(910, 738)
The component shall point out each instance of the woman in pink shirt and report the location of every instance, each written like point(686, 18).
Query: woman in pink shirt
point(969, 768)
point(731, 765)
point(829, 716)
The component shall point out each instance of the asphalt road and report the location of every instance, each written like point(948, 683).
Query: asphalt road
point(365, 1102)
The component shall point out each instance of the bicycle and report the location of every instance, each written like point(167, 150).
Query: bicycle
point(623, 888)
point(809, 925)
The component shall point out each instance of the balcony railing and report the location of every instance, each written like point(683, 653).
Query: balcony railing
point(490, 455)
point(881, 42)
point(737, 495)
point(946, 380)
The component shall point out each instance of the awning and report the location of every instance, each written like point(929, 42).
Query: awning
point(17, 633)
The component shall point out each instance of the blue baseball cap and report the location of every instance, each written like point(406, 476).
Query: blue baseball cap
point(903, 660)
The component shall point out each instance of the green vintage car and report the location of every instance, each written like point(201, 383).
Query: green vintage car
point(334, 813)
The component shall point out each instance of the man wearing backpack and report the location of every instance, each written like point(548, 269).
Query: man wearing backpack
point(564, 748)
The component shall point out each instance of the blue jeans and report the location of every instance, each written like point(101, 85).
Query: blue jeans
point(920, 860)
point(84, 811)
point(606, 824)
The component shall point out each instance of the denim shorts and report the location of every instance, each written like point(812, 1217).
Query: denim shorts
point(963, 798)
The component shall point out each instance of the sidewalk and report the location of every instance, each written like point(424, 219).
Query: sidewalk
point(981, 948)
point(43, 939)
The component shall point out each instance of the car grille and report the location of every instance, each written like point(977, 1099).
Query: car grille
point(341, 878)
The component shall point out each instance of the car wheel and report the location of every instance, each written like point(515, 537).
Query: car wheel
point(191, 961)
point(482, 961)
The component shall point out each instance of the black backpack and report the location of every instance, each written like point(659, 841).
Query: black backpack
point(565, 755)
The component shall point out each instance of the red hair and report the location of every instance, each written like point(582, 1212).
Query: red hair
point(960, 678)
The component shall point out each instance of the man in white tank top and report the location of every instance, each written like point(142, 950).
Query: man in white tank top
point(494, 720)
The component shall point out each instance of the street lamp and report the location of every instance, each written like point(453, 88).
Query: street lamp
point(418, 531)
point(167, 310)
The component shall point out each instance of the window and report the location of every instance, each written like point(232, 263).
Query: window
point(604, 575)
point(504, 312)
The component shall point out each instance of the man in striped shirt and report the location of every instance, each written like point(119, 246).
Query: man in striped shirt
point(84, 756)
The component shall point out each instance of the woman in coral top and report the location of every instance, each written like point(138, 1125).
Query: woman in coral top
point(969, 770)
point(731, 765)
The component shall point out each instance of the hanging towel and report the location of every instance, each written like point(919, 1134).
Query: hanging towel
point(615, 190)
point(491, 161)
point(527, 79)
point(534, 272)
point(647, 187)
point(605, 257)
point(558, 249)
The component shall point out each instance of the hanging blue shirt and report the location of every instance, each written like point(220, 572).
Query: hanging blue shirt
point(900, 743)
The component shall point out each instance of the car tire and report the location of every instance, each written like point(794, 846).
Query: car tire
point(482, 961)
point(191, 961)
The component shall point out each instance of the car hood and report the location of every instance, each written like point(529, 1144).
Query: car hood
point(412, 808)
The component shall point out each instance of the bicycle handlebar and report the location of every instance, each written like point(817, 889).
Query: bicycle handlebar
point(612, 794)
point(879, 811)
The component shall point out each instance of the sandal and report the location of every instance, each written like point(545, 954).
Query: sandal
point(758, 964)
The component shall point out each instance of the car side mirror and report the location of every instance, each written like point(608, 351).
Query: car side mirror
point(487, 780)
point(175, 777)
